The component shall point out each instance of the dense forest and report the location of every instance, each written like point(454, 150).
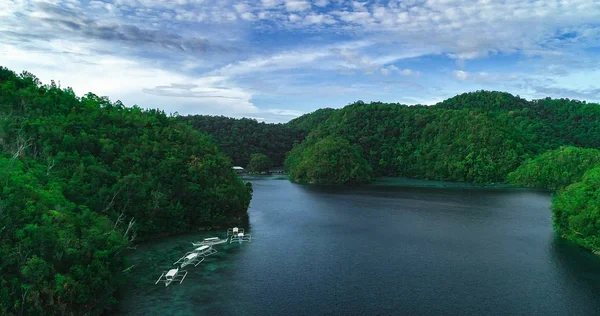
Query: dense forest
point(328, 160)
point(309, 122)
point(82, 179)
point(240, 138)
point(476, 137)
point(556, 169)
point(576, 211)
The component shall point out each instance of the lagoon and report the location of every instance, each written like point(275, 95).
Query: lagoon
point(395, 247)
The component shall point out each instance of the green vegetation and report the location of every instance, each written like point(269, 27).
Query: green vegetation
point(331, 160)
point(259, 163)
point(474, 137)
point(556, 169)
point(577, 211)
point(81, 178)
point(477, 137)
point(310, 121)
point(431, 143)
point(239, 138)
point(57, 257)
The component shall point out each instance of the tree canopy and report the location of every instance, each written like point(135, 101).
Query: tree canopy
point(259, 163)
point(239, 138)
point(476, 137)
point(81, 178)
point(577, 211)
point(330, 160)
point(555, 169)
point(310, 121)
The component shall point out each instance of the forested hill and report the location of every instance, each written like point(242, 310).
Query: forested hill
point(310, 121)
point(476, 137)
point(81, 179)
point(562, 121)
point(240, 138)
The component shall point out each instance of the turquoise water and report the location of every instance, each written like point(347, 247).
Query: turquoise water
point(390, 248)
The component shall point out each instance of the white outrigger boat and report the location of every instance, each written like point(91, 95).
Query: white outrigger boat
point(240, 237)
point(209, 242)
point(196, 256)
point(192, 258)
point(234, 231)
point(172, 275)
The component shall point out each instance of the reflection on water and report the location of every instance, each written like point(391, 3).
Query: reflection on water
point(379, 250)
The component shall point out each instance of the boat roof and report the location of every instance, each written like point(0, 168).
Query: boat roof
point(211, 238)
point(191, 256)
point(172, 272)
point(202, 248)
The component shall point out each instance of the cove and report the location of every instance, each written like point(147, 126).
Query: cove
point(390, 248)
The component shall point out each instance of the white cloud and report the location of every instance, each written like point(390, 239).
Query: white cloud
point(131, 81)
point(294, 18)
point(319, 19)
point(285, 112)
point(241, 7)
point(359, 5)
point(248, 16)
point(321, 3)
point(462, 75)
point(164, 47)
point(297, 5)
point(270, 3)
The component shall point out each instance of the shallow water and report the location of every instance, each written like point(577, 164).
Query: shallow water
point(384, 249)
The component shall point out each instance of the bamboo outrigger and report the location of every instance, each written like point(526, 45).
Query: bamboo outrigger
point(172, 275)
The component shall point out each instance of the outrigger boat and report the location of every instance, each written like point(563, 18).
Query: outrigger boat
point(209, 242)
point(240, 237)
point(234, 231)
point(192, 258)
point(196, 256)
point(172, 275)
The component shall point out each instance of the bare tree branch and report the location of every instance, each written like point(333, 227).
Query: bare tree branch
point(112, 201)
point(50, 166)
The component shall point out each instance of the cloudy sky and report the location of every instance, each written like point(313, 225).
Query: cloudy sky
point(276, 59)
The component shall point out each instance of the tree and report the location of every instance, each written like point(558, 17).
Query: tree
point(259, 163)
point(81, 178)
point(239, 138)
point(556, 169)
point(576, 211)
point(331, 160)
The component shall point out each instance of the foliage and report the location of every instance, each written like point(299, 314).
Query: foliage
point(577, 211)
point(76, 171)
point(484, 100)
point(476, 137)
point(259, 163)
point(310, 121)
point(431, 143)
point(331, 160)
point(239, 138)
point(57, 257)
point(555, 169)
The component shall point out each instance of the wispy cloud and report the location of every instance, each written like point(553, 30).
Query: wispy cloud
point(250, 57)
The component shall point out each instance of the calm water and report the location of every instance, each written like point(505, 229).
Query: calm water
point(383, 249)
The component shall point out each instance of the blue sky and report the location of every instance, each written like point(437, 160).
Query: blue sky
point(276, 59)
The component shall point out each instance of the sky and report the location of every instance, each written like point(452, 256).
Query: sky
point(274, 60)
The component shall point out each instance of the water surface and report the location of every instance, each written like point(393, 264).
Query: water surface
point(383, 249)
